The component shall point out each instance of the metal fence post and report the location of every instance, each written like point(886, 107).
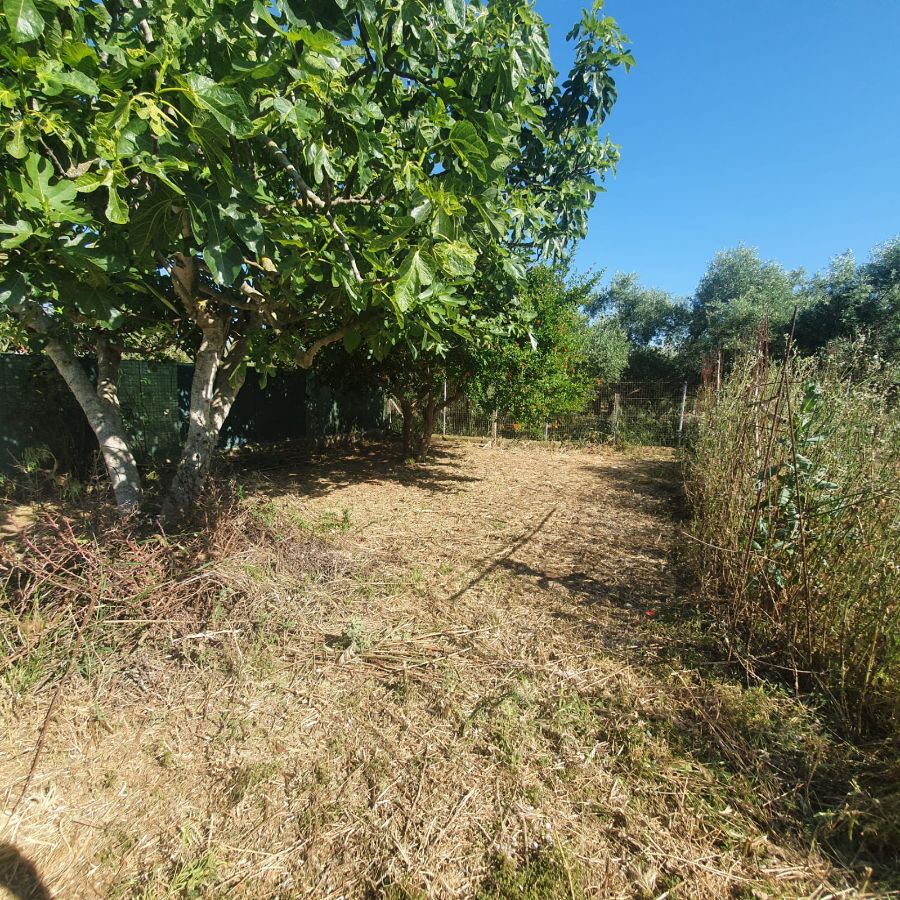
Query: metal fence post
point(445, 408)
point(681, 419)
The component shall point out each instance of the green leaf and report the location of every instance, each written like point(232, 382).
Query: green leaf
point(39, 194)
point(132, 138)
point(225, 104)
point(469, 147)
point(153, 224)
point(224, 259)
point(456, 258)
point(296, 114)
point(97, 304)
point(443, 225)
point(16, 146)
point(56, 83)
point(116, 209)
point(456, 11)
point(13, 290)
point(25, 22)
point(416, 271)
point(91, 181)
point(19, 232)
point(352, 339)
point(317, 156)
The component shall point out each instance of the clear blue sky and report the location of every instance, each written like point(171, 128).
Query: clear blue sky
point(774, 123)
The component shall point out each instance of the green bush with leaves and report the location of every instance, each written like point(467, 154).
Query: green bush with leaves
point(851, 301)
point(551, 365)
point(253, 182)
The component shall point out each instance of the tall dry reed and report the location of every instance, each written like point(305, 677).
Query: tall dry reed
point(794, 483)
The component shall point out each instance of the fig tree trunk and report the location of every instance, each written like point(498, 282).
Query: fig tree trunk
point(100, 404)
point(406, 408)
point(218, 376)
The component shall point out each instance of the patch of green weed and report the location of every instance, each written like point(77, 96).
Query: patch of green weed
point(545, 875)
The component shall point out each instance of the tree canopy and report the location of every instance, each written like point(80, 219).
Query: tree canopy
point(739, 291)
point(262, 180)
point(548, 370)
point(847, 303)
point(851, 301)
point(654, 323)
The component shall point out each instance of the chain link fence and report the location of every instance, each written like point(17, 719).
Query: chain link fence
point(650, 413)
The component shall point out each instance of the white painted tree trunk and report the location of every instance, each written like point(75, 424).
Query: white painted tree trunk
point(101, 407)
point(214, 387)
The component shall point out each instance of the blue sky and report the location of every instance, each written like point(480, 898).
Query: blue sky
point(774, 123)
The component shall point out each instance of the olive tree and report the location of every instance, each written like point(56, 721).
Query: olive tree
point(851, 301)
point(655, 323)
point(261, 180)
point(736, 294)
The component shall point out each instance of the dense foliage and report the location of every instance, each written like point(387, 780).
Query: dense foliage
point(793, 490)
point(532, 360)
point(550, 370)
point(653, 321)
point(740, 294)
point(851, 301)
point(793, 484)
point(259, 181)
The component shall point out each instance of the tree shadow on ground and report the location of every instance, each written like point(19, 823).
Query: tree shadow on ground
point(767, 752)
point(618, 607)
point(19, 876)
point(283, 470)
point(655, 480)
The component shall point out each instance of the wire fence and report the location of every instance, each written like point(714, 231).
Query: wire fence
point(38, 413)
point(649, 413)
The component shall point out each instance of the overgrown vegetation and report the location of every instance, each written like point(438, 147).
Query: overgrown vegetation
point(68, 577)
point(793, 483)
point(795, 501)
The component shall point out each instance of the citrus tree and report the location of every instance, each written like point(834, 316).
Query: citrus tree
point(424, 382)
point(255, 181)
point(546, 369)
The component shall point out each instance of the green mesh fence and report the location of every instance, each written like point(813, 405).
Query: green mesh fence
point(37, 411)
point(148, 394)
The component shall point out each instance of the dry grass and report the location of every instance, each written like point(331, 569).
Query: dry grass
point(453, 680)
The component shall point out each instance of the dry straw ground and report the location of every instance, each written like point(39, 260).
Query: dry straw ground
point(452, 680)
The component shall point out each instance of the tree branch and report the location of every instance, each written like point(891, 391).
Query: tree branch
point(306, 357)
point(281, 158)
point(143, 24)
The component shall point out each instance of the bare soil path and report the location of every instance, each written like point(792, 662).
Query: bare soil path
point(472, 690)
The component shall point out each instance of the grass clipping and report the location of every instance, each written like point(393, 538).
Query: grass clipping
point(372, 680)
